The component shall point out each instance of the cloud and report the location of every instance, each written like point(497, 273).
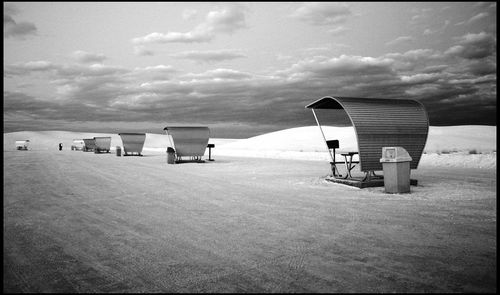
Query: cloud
point(73, 82)
point(141, 50)
point(8, 20)
point(225, 20)
point(344, 65)
point(459, 80)
point(219, 75)
point(483, 15)
point(474, 46)
point(21, 111)
point(477, 17)
point(87, 57)
point(420, 16)
point(322, 13)
point(429, 31)
point(18, 30)
point(338, 31)
point(15, 101)
point(158, 68)
point(11, 28)
point(210, 55)
point(20, 69)
point(421, 78)
point(399, 40)
point(199, 34)
point(93, 70)
point(153, 73)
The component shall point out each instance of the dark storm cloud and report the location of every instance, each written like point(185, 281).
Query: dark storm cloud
point(21, 102)
point(457, 87)
point(474, 46)
point(13, 28)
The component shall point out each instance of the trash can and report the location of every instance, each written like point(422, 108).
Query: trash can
point(396, 165)
point(118, 151)
point(170, 155)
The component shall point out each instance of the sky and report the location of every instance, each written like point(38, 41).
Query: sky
point(241, 68)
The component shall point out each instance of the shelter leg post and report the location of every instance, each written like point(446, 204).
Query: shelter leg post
point(324, 138)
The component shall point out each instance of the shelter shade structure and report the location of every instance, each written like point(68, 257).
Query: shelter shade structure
point(102, 144)
point(89, 144)
point(380, 122)
point(132, 143)
point(188, 141)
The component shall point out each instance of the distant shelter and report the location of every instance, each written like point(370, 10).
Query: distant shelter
point(133, 143)
point(102, 144)
point(89, 145)
point(188, 141)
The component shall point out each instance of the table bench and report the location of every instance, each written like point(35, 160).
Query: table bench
point(348, 163)
point(334, 144)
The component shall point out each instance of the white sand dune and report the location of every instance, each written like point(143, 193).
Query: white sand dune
point(462, 138)
point(310, 139)
point(446, 146)
point(306, 143)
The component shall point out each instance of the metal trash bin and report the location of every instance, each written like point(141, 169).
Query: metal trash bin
point(118, 151)
point(396, 165)
point(170, 155)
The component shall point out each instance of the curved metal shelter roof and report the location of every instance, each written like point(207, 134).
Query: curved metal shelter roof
point(382, 123)
point(89, 143)
point(102, 142)
point(189, 140)
point(133, 142)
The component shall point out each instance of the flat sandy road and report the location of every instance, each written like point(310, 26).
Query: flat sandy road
point(80, 222)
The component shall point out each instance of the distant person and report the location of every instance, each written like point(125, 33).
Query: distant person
point(60, 146)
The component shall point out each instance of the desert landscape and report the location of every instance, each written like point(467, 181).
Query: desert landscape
point(260, 218)
point(244, 200)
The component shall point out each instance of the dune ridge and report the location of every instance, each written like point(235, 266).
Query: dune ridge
point(456, 146)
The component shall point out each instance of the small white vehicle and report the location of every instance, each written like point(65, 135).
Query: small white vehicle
point(22, 145)
point(77, 145)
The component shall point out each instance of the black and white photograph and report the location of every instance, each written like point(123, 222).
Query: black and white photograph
point(249, 147)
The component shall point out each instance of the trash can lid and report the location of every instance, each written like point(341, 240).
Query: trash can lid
point(394, 154)
point(170, 150)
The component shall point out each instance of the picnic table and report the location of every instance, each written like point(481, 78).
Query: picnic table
point(349, 163)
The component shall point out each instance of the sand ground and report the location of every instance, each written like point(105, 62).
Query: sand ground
point(80, 222)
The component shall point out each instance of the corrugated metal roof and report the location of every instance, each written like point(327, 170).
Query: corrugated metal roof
point(133, 142)
point(102, 142)
point(381, 122)
point(189, 140)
